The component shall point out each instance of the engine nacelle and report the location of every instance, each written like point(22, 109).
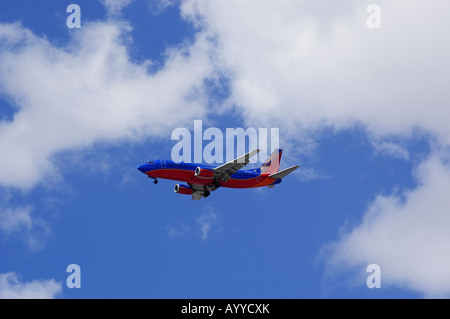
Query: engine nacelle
point(203, 173)
point(183, 189)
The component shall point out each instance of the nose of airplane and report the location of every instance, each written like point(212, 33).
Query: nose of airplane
point(143, 168)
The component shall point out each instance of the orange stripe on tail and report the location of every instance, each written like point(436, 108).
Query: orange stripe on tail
point(272, 164)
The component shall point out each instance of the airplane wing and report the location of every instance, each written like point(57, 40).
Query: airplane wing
point(224, 171)
point(221, 173)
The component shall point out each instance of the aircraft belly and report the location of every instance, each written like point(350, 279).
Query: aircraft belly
point(179, 175)
point(248, 183)
point(240, 183)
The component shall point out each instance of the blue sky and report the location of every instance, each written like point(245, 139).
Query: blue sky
point(363, 111)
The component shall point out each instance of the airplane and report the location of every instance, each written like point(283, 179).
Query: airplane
point(203, 179)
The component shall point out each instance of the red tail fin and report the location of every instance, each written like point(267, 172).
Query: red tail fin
point(272, 164)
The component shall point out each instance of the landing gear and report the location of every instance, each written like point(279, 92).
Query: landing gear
point(206, 194)
point(155, 179)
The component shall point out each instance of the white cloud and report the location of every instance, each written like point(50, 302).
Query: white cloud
point(114, 7)
point(206, 222)
point(33, 231)
point(13, 220)
point(86, 93)
point(308, 174)
point(158, 6)
point(391, 149)
point(177, 230)
point(89, 92)
point(406, 234)
point(12, 287)
point(308, 64)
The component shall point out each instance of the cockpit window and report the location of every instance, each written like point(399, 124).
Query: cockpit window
point(150, 162)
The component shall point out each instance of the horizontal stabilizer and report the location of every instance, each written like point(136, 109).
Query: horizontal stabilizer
point(284, 172)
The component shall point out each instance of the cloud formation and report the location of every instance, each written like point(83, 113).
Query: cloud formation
point(114, 7)
point(88, 92)
point(406, 234)
point(206, 222)
point(313, 64)
point(12, 287)
point(33, 231)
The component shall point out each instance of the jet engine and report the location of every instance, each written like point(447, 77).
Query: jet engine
point(203, 173)
point(183, 189)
